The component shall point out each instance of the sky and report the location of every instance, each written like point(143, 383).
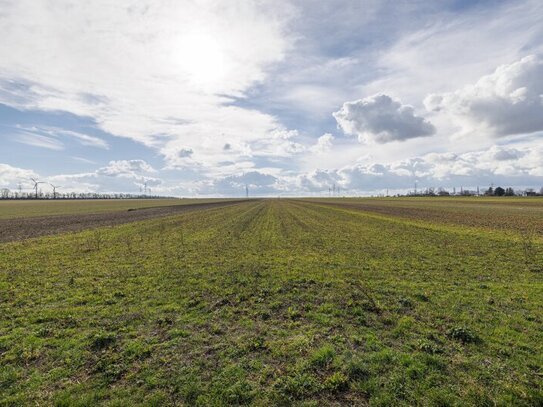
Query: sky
point(201, 98)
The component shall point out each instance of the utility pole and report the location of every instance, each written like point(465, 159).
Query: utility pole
point(246, 191)
point(415, 187)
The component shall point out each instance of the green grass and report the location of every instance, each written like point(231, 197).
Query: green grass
point(28, 208)
point(274, 302)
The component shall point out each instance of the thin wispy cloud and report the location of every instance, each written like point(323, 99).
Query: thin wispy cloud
point(83, 139)
point(59, 134)
point(84, 160)
point(37, 140)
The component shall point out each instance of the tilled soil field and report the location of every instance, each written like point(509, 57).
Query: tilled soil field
point(26, 228)
point(514, 218)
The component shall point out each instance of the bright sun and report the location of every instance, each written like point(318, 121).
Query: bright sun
point(201, 57)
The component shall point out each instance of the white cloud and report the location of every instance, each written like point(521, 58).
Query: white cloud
point(507, 102)
point(11, 176)
point(257, 182)
point(318, 180)
point(48, 137)
point(433, 170)
point(382, 119)
point(83, 139)
point(452, 49)
point(83, 160)
point(161, 73)
point(313, 99)
point(180, 78)
point(481, 167)
point(38, 140)
point(502, 154)
point(279, 144)
point(518, 166)
point(324, 143)
point(125, 168)
point(128, 176)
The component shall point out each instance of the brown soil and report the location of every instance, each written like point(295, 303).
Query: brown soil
point(491, 218)
point(26, 228)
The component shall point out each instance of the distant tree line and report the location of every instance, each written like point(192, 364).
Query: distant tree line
point(6, 193)
point(491, 191)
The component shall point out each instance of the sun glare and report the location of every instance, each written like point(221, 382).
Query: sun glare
point(201, 57)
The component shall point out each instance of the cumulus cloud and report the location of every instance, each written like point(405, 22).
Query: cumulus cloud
point(257, 182)
point(279, 144)
point(506, 102)
point(382, 119)
point(125, 168)
point(10, 176)
point(128, 176)
point(505, 154)
point(324, 143)
point(318, 180)
point(520, 166)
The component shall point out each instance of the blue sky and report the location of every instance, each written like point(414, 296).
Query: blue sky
point(199, 98)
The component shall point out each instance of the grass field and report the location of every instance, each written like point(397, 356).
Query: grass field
point(281, 302)
point(10, 209)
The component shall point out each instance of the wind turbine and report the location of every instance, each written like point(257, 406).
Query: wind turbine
point(144, 182)
point(36, 182)
point(55, 190)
